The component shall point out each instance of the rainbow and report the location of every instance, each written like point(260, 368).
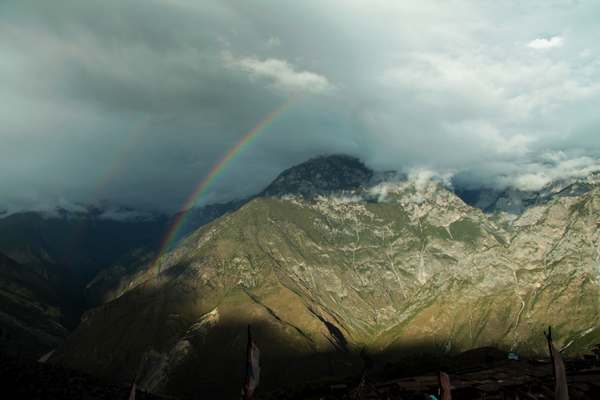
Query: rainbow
point(209, 179)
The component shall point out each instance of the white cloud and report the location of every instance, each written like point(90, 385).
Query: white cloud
point(512, 88)
point(280, 73)
point(423, 177)
point(531, 182)
point(546, 43)
point(552, 167)
point(380, 191)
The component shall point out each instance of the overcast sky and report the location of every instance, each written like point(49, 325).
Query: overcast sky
point(133, 102)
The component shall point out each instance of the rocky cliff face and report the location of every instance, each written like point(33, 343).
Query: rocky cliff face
point(322, 273)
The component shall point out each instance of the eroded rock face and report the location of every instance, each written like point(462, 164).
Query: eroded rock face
point(398, 267)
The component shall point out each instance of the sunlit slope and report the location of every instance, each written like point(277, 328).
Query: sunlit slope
point(321, 279)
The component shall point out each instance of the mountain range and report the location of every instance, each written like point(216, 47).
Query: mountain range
point(333, 261)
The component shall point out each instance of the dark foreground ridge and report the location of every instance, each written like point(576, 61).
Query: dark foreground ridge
point(31, 380)
point(484, 373)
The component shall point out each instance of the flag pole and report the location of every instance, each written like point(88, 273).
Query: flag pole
point(246, 395)
point(549, 341)
point(561, 390)
point(445, 388)
point(252, 368)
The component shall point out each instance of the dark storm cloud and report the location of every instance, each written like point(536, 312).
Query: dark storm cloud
point(134, 101)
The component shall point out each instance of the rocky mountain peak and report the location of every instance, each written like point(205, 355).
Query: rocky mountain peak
point(321, 175)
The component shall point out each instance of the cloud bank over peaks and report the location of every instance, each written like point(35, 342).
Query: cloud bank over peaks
point(552, 167)
point(532, 174)
point(135, 102)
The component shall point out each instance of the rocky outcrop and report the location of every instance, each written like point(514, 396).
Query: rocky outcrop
point(319, 176)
